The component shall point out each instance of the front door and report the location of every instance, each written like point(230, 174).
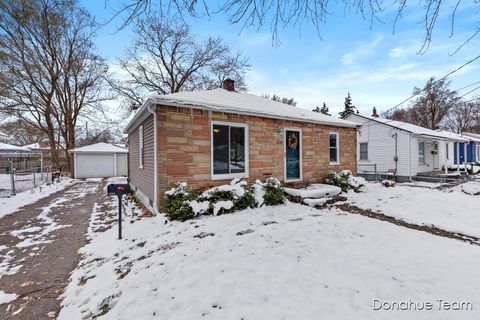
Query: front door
point(292, 154)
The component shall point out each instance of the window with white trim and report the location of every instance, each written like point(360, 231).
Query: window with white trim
point(421, 152)
point(334, 148)
point(363, 150)
point(140, 146)
point(229, 150)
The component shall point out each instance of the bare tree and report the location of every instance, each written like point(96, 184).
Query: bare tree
point(279, 14)
point(432, 105)
point(275, 97)
point(166, 58)
point(21, 132)
point(48, 73)
point(29, 32)
point(80, 90)
point(463, 116)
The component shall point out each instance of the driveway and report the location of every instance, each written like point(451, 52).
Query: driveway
point(39, 249)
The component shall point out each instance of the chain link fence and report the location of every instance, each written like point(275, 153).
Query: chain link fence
point(14, 180)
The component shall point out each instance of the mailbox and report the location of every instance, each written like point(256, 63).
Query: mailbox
point(118, 189)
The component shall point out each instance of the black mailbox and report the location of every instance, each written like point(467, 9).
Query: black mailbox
point(118, 189)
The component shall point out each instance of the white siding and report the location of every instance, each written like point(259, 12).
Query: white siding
point(381, 147)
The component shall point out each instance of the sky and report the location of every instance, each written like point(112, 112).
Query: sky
point(379, 67)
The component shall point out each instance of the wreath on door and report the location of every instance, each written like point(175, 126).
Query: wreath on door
point(292, 141)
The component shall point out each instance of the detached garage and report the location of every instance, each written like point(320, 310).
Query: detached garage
point(99, 160)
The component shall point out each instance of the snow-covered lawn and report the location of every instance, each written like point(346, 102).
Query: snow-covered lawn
point(450, 209)
point(11, 204)
point(284, 262)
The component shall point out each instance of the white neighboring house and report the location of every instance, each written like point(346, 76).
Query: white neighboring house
point(4, 138)
point(401, 149)
point(99, 160)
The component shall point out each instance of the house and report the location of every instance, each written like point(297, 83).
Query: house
point(4, 137)
point(403, 150)
point(471, 148)
point(11, 155)
point(207, 138)
point(99, 160)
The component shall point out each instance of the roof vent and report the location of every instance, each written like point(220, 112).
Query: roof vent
point(374, 113)
point(228, 84)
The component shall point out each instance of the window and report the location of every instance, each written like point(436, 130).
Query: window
point(140, 146)
point(229, 150)
point(363, 151)
point(333, 146)
point(421, 152)
point(447, 151)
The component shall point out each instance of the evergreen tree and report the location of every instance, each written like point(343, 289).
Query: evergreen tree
point(349, 107)
point(325, 110)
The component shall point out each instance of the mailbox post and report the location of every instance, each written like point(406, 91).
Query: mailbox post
point(119, 189)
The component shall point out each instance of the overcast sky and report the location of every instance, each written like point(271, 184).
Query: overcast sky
point(377, 67)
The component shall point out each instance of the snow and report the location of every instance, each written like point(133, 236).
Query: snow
point(236, 187)
point(449, 209)
point(471, 187)
point(100, 147)
point(356, 182)
point(283, 262)
point(415, 129)
point(198, 207)
point(315, 191)
point(5, 147)
point(258, 192)
point(243, 103)
point(315, 202)
point(10, 205)
point(217, 206)
point(6, 297)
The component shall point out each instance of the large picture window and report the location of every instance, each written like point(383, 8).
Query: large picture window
point(229, 150)
point(421, 152)
point(333, 147)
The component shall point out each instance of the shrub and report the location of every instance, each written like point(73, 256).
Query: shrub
point(335, 179)
point(245, 201)
point(274, 193)
point(175, 202)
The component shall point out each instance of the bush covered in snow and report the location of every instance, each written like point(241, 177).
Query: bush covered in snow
point(175, 202)
point(274, 193)
point(345, 180)
point(388, 183)
point(183, 203)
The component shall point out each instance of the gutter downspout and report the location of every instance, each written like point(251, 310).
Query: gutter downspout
point(410, 157)
point(152, 109)
point(396, 152)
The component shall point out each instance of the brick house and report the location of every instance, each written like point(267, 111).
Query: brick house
point(206, 138)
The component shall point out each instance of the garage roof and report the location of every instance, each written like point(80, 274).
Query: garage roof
point(100, 147)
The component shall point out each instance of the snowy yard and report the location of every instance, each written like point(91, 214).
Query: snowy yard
point(284, 262)
point(450, 209)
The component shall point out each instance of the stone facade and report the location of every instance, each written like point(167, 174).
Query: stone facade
point(184, 149)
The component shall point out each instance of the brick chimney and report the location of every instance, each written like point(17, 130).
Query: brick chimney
point(374, 113)
point(228, 84)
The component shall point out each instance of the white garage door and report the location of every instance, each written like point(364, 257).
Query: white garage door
point(121, 165)
point(95, 165)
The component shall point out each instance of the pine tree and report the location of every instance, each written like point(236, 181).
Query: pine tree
point(349, 107)
point(325, 110)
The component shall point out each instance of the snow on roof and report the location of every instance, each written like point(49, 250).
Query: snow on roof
point(5, 147)
point(472, 136)
point(4, 136)
point(37, 145)
point(414, 128)
point(242, 103)
point(100, 147)
point(456, 136)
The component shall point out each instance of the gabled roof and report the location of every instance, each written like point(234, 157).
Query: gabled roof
point(100, 147)
point(4, 136)
point(41, 145)
point(221, 100)
point(414, 129)
point(5, 147)
point(455, 136)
